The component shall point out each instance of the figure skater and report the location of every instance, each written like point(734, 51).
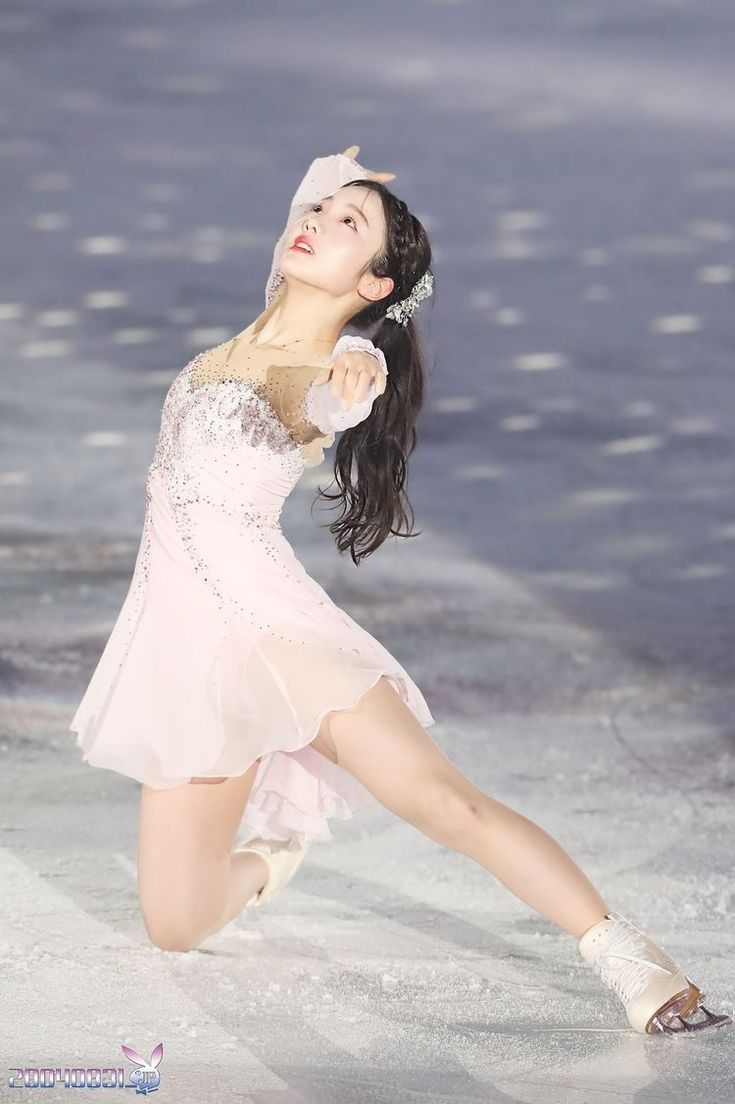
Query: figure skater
point(233, 688)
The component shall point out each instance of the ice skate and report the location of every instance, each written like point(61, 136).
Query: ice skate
point(283, 858)
point(658, 997)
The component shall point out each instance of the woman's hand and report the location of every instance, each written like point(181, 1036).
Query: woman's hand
point(383, 177)
point(352, 373)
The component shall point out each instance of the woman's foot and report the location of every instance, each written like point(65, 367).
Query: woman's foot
point(251, 874)
point(657, 996)
point(282, 859)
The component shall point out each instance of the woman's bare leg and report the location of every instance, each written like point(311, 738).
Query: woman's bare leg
point(384, 746)
point(189, 882)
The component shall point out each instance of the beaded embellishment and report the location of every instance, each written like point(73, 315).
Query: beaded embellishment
point(213, 417)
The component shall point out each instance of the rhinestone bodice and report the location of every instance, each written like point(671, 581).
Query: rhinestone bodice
point(238, 431)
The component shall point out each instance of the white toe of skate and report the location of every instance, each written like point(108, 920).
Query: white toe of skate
point(657, 996)
point(282, 857)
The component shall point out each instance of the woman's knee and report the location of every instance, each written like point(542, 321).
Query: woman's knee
point(171, 933)
point(172, 922)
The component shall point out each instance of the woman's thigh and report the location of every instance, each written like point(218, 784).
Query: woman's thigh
point(185, 838)
point(381, 743)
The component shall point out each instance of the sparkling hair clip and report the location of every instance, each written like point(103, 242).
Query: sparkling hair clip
point(401, 312)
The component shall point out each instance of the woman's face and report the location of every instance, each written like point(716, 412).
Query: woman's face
point(345, 231)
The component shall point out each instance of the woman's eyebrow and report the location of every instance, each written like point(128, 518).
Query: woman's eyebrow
point(354, 208)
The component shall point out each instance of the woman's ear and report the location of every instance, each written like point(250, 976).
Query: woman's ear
point(375, 287)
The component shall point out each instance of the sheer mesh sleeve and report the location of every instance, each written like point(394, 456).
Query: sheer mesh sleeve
point(323, 177)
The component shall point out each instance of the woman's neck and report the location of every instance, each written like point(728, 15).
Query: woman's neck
point(281, 325)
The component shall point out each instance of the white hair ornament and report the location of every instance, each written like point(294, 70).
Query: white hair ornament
point(401, 312)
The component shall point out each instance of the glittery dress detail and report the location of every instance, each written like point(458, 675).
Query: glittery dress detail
point(225, 649)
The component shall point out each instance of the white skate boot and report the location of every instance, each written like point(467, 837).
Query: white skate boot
point(657, 996)
point(282, 857)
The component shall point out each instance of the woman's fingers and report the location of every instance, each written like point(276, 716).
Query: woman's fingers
point(343, 380)
point(383, 177)
point(352, 375)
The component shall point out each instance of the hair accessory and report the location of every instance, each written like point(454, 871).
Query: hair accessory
point(401, 312)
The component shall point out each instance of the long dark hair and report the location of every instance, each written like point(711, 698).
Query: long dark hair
point(374, 502)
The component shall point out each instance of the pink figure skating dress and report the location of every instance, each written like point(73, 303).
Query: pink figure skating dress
point(226, 650)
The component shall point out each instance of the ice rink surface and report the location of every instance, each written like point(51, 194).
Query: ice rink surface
point(568, 609)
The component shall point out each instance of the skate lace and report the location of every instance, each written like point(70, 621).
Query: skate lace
point(622, 961)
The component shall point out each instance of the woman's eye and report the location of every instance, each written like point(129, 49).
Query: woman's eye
point(317, 207)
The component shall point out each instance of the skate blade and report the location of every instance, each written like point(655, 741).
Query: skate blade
point(674, 1017)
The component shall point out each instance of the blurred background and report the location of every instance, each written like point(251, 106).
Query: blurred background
point(568, 607)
